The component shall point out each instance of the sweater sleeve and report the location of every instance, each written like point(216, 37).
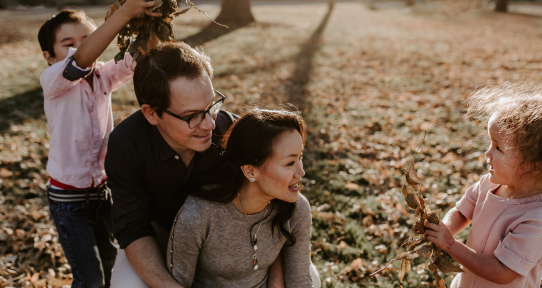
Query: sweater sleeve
point(296, 258)
point(186, 239)
point(520, 248)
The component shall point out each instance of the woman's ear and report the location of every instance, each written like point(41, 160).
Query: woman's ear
point(250, 172)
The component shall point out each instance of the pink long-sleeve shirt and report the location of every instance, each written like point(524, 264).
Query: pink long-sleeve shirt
point(508, 229)
point(80, 118)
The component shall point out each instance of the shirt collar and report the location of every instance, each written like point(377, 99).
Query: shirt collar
point(165, 150)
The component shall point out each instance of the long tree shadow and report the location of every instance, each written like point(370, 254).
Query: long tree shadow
point(20, 108)
point(296, 89)
point(211, 32)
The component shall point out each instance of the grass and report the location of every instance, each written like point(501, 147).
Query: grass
point(368, 83)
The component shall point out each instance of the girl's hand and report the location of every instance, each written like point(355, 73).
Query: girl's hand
point(440, 235)
point(132, 8)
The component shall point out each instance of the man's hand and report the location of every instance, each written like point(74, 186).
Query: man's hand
point(440, 235)
point(145, 257)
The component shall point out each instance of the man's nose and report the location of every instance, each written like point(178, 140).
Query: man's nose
point(208, 123)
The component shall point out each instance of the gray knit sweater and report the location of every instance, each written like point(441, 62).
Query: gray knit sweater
point(211, 246)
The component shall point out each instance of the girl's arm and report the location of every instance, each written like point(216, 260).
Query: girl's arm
point(485, 266)
point(96, 43)
point(456, 221)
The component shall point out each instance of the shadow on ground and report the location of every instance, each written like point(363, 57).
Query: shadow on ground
point(296, 85)
point(20, 108)
point(211, 32)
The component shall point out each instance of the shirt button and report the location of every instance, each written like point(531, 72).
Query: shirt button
point(177, 157)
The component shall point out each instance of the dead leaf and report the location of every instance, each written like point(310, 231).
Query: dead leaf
point(412, 200)
point(447, 267)
point(351, 186)
point(405, 267)
point(434, 217)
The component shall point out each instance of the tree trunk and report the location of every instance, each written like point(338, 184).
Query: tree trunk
point(501, 5)
point(236, 12)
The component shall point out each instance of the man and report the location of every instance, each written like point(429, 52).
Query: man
point(158, 153)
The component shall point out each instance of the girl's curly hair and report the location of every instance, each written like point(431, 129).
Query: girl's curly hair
point(518, 111)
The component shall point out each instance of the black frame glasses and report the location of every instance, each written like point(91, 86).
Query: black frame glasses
point(208, 111)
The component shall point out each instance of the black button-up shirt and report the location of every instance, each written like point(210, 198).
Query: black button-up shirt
point(148, 180)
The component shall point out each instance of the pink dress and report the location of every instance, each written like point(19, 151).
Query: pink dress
point(508, 229)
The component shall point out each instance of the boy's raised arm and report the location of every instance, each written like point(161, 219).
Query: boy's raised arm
point(96, 43)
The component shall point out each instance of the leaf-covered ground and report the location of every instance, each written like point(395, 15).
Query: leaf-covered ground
point(368, 83)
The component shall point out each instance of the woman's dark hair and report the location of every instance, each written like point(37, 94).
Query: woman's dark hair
point(47, 33)
point(163, 65)
point(250, 141)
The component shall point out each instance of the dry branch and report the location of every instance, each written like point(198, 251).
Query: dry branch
point(417, 244)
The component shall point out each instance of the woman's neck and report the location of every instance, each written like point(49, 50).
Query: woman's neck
point(250, 199)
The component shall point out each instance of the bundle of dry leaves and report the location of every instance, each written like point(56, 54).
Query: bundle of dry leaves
point(143, 27)
point(417, 244)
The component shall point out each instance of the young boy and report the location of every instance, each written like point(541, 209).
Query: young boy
point(77, 91)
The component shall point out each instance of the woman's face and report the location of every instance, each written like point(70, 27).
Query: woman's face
point(280, 176)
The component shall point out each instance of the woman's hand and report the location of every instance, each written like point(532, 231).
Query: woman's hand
point(440, 235)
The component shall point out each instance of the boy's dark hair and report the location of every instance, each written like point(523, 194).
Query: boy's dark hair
point(47, 33)
point(162, 65)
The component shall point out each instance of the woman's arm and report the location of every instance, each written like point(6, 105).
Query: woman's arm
point(276, 276)
point(456, 221)
point(485, 266)
point(185, 242)
point(296, 258)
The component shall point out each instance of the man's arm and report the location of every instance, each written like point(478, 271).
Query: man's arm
point(95, 44)
point(147, 260)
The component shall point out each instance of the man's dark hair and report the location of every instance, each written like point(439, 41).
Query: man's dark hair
point(162, 65)
point(47, 33)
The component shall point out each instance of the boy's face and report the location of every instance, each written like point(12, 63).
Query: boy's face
point(68, 35)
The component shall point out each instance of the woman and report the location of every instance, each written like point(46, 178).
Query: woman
point(229, 233)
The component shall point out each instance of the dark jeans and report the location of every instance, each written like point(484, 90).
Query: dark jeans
point(85, 231)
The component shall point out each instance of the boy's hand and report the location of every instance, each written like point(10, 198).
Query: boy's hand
point(132, 8)
point(440, 235)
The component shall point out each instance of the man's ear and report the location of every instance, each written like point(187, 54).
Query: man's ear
point(150, 114)
point(48, 58)
point(249, 171)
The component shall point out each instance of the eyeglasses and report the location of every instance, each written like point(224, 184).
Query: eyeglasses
point(195, 119)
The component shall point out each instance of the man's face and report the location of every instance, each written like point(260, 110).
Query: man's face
point(68, 35)
point(188, 97)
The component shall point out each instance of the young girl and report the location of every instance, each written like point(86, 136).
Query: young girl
point(505, 206)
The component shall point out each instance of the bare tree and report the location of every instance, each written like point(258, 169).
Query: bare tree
point(501, 5)
point(235, 12)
